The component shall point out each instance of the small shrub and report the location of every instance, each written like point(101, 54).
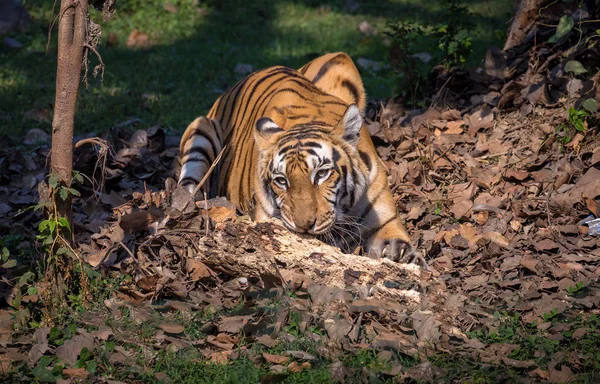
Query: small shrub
point(449, 42)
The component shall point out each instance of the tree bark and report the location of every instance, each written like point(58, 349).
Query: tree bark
point(526, 13)
point(71, 39)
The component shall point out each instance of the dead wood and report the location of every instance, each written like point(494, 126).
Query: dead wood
point(272, 253)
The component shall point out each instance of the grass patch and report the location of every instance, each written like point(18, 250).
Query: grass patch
point(195, 50)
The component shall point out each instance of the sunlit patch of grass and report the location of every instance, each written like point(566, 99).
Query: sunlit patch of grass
point(195, 49)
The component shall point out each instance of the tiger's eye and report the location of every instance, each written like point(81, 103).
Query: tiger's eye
point(321, 174)
point(280, 181)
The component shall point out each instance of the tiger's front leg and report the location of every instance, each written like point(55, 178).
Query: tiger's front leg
point(388, 237)
point(392, 242)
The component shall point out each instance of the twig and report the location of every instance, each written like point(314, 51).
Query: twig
point(127, 249)
point(207, 224)
point(88, 46)
point(555, 26)
point(201, 183)
point(438, 93)
point(105, 149)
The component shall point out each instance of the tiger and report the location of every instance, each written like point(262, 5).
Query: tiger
point(295, 147)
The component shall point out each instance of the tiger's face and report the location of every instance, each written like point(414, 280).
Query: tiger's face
point(308, 174)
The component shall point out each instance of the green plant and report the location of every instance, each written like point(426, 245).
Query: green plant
point(455, 35)
point(22, 283)
point(450, 40)
point(578, 119)
point(577, 288)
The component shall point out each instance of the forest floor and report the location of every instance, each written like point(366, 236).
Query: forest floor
point(498, 182)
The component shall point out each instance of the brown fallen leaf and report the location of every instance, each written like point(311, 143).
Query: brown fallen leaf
point(296, 367)
point(497, 238)
point(454, 127)
point(461, 209)
point(513, 174)
point(172, 328)
point(529, 263)
point(424, 372)
point(76, 373)
point(546, 245)
point(198, 270)
point(482, 118)
point(564, 375)
point(274, 359)
point(426, 326)
point(69, 351)
point(300, 355)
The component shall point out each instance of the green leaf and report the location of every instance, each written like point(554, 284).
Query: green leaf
point(565, 25)
point(77, 176)
point(64, 193)
point(64, 223)
point(591, 105)
point(74, 192)
point(42, 374)
point(31, 291)
point(53, 180)
point(25, 278)
point(575, 67)
point(61, 251)
point(42, 205)
point(43, 226)
point(5, 253)
point(91, 366)
point(10, 264)
point(91, 274)
point(16, 301)
point(54, 334)
point(84, 355)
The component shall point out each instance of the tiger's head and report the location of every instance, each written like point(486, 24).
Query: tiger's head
point(310, 174)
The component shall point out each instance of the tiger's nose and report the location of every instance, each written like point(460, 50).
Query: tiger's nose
point(307, 226)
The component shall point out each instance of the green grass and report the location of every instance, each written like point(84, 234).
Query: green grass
point(195, 50)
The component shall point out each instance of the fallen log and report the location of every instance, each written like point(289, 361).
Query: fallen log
point(276, 256)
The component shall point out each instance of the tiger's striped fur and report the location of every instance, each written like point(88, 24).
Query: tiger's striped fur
point(296, 149)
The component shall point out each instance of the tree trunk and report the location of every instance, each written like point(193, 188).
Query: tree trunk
point(526, 13)
point(71, 39)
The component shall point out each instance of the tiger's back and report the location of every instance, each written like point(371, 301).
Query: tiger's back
point(295, 140)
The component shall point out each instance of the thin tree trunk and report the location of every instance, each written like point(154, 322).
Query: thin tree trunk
point(71, 39)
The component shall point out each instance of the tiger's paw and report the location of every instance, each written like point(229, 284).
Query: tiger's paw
point(397, 250)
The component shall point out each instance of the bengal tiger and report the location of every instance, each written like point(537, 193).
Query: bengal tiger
point(296, 149)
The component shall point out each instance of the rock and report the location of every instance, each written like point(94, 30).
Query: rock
point(36, 136)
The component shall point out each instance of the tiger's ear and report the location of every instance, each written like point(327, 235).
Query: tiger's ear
point(266, 132)
point(350, 125)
